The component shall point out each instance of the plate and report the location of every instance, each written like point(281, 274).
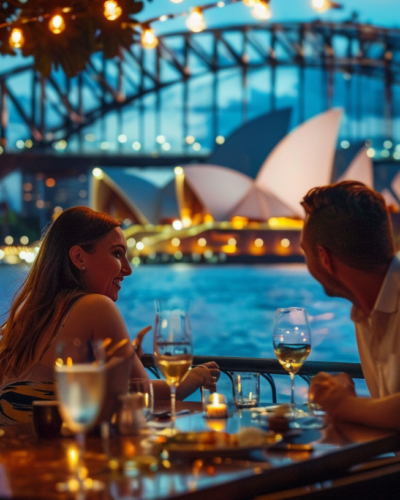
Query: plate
point(211, 444)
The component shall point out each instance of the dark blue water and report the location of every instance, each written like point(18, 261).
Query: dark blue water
point(232, 307)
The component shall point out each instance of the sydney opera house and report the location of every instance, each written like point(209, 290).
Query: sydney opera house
point(215, 212)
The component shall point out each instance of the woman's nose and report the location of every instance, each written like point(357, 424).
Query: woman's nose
point(126, 268)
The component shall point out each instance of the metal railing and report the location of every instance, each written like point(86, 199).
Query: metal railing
point(266, 368)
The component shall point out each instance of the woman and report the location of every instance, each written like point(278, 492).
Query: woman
point(71, 291)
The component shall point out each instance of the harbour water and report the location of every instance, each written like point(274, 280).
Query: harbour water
point(232, 307)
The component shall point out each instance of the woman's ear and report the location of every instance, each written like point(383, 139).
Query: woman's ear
point(76, 254)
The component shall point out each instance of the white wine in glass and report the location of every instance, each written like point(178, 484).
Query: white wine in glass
point(81, 378)
point(173, 348)
point(292, 341)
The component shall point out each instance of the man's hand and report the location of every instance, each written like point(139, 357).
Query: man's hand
point(330, 391)
point(137, 343)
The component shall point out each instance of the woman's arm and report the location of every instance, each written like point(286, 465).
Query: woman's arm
point(336, 395)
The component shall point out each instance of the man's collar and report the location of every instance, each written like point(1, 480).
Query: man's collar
point(387, 299)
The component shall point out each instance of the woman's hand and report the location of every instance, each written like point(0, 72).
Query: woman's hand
point(205, 375)
point(330, 391)
point(137, 343)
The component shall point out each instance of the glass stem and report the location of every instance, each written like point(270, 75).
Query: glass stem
point(81, 472)
point(292, 393)
point(173, 406)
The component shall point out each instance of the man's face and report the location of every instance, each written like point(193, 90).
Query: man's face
point(315, 263)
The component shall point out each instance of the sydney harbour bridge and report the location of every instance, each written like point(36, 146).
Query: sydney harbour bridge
point(175, 103)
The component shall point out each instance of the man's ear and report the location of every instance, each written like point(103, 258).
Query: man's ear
point(325, 258)
point(76, 254)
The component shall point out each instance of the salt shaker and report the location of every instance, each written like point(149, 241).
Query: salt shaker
point(130, 418)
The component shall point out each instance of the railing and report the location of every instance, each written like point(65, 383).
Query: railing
point(266, 368)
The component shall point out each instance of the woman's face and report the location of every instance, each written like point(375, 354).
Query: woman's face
point(107, 266)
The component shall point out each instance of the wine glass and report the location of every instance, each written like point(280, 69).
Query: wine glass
point(292, 341)
point(173, 348)
point(81, 380)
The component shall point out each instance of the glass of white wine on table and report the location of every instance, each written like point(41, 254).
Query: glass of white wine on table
point(80, 376)
point(292, 343)
point(173, 348)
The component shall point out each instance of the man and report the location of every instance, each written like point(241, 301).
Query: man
point(348, 243)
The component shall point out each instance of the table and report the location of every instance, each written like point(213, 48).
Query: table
point(30, 468)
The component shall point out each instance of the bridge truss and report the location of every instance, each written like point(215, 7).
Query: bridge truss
point(204, 85)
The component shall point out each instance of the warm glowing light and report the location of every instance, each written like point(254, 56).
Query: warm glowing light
point(57, 24)
point(166, 146)
point(177, 224)
point(122, 138)
point(50, 182)
point(262, 11)
point(178, 170)
point(90, 137)
point(345, 144)
point(232, 241)
point(190, 139)
point(112, 10)
point(176, 1)
point(160, 139)
point(9, 240)
point(163, 18)
point(220, 139)
point(285, 243)
point(202, 242)
point(136, 145)
point(24, 240)
point(195, 21)
point(371, 152)
point(98, 173)
point(249, 3)
point(221, 4)
point(321, 5)
point(175, 242)
point(28, 143)
point(149, 39)
point(139, 245)
point(16, 39)
point(259, 242)
point(196, 146)
point(387, 144)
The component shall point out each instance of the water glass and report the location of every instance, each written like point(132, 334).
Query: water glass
point(144, 388)
point(246, 389)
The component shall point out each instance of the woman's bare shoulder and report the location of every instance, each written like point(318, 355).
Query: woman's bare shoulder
point(97, 311)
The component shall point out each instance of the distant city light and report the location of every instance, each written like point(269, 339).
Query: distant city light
point(136, 145)
point(131, 242)
point(371, 152)
point(221, 4)
point(20, 144)
point(1, 150)
point(57, 210)
point(258, 242)
point(122, 138)
point(163, 18)
point(396, 155)
point(139, 245)
point(387, 144)
point(40, 204)
point(189, 139)
point(27, 197)
point(28, 186)
point(175, 242)
point(397, 148)
point(24, 240)
point(178, 255)
point(202, 242)
point(345, 144)
point(160, 139)
point(90, 137)
point(220, 139)
point(50, 182)
point(104, 145)
point(2, 254)
point(285, 243)
point(232, 242)
point(136, 261)
point(196, 146)
point(28, 143)
point(98, 173)
point(262, 10)
point(177, 224)
point(61, 144)
point(9, 240)
point(385, 153)
point(166, 146)
point(208, 254)
point(178, 170)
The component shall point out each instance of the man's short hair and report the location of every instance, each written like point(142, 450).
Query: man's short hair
point(352, 222)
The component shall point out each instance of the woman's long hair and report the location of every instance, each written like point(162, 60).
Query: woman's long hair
point(50, 288)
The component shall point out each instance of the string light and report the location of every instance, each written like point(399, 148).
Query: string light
point(57, 24)
point(148, 39)
point(262, 10)
point(249, 3)
point(195, 21)
point(112, 10)
point(16, 39)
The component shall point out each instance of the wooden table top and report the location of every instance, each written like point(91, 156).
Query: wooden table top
point(30, 468)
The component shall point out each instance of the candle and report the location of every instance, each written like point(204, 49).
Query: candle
point(217, 408)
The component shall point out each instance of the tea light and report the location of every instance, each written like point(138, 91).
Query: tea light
point(217, 408)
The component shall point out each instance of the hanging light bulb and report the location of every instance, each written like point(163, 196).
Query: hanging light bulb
point(195, 21)
point(57, 24)
point(112, 10)
point(320, 5)
point(16, 39)
point(262, 10)
point(148, 39)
